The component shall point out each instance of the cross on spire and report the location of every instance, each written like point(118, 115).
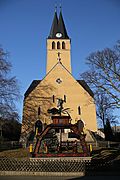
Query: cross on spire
point(55, 8)
point(60, 7)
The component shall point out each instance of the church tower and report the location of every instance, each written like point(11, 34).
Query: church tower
point(58, 44)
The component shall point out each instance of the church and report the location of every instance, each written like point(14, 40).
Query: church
point(58, 83)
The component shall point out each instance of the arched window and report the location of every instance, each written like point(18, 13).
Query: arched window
point(58, 45)
point(79, 110)
point(64, 98)
point(38, 127)
point(53, 45)
point(63, 45)
point(53, 98)
point(39, 110)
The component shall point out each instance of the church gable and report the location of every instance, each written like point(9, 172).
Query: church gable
point(56, 72)
point(60, 77)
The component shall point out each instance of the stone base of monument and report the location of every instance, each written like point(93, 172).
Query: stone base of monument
point(60, 155)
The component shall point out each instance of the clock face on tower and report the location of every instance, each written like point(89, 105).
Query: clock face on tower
point(58, 35)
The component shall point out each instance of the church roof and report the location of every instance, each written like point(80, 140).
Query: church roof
point(36, 82)
point(86, 87)
point(58, 26)
point(32, 86)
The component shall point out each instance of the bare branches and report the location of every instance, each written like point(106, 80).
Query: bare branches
point(103, 77)
point(9, 89)
point(104, 72)
point(5, 66)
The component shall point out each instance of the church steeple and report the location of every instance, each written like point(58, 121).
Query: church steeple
point(58, 29)
point(58, 42)
point(54, 27)
point(61, 27)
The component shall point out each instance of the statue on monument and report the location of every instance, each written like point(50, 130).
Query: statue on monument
point(60, 109)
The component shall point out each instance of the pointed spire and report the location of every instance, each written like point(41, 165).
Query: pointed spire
point(55, 8)
point(60, 8)
point(54, 27)
point(61, 26)
point(58, 26)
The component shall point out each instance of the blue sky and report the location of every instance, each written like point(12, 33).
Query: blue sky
point(25, 24)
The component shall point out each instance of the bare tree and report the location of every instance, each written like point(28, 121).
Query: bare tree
point(104, 73)
point(103, 76)
point(104, 109)
point(9, 89)
point(108, 131)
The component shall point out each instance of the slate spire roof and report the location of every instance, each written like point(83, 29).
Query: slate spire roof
point(58, 26)
point(54, 27)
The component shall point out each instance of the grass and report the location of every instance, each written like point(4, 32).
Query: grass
point(16, 153)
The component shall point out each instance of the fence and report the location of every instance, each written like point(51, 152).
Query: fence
point(104, 144)
point(59, 165)
point(7, 145)
point(44, 164)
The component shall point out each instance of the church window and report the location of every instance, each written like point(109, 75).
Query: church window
point(58, 45)
point(53, 45)
point(39, 110)
point(63, 45)
point(64, 98)
point(79, 110)
point(58, 80)
point(38, 127)
point(53, 98)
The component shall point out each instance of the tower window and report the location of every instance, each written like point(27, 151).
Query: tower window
point(63, 45)
point(58, 45)
point(53, 45)
point(79, 110)
point(39, 110)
